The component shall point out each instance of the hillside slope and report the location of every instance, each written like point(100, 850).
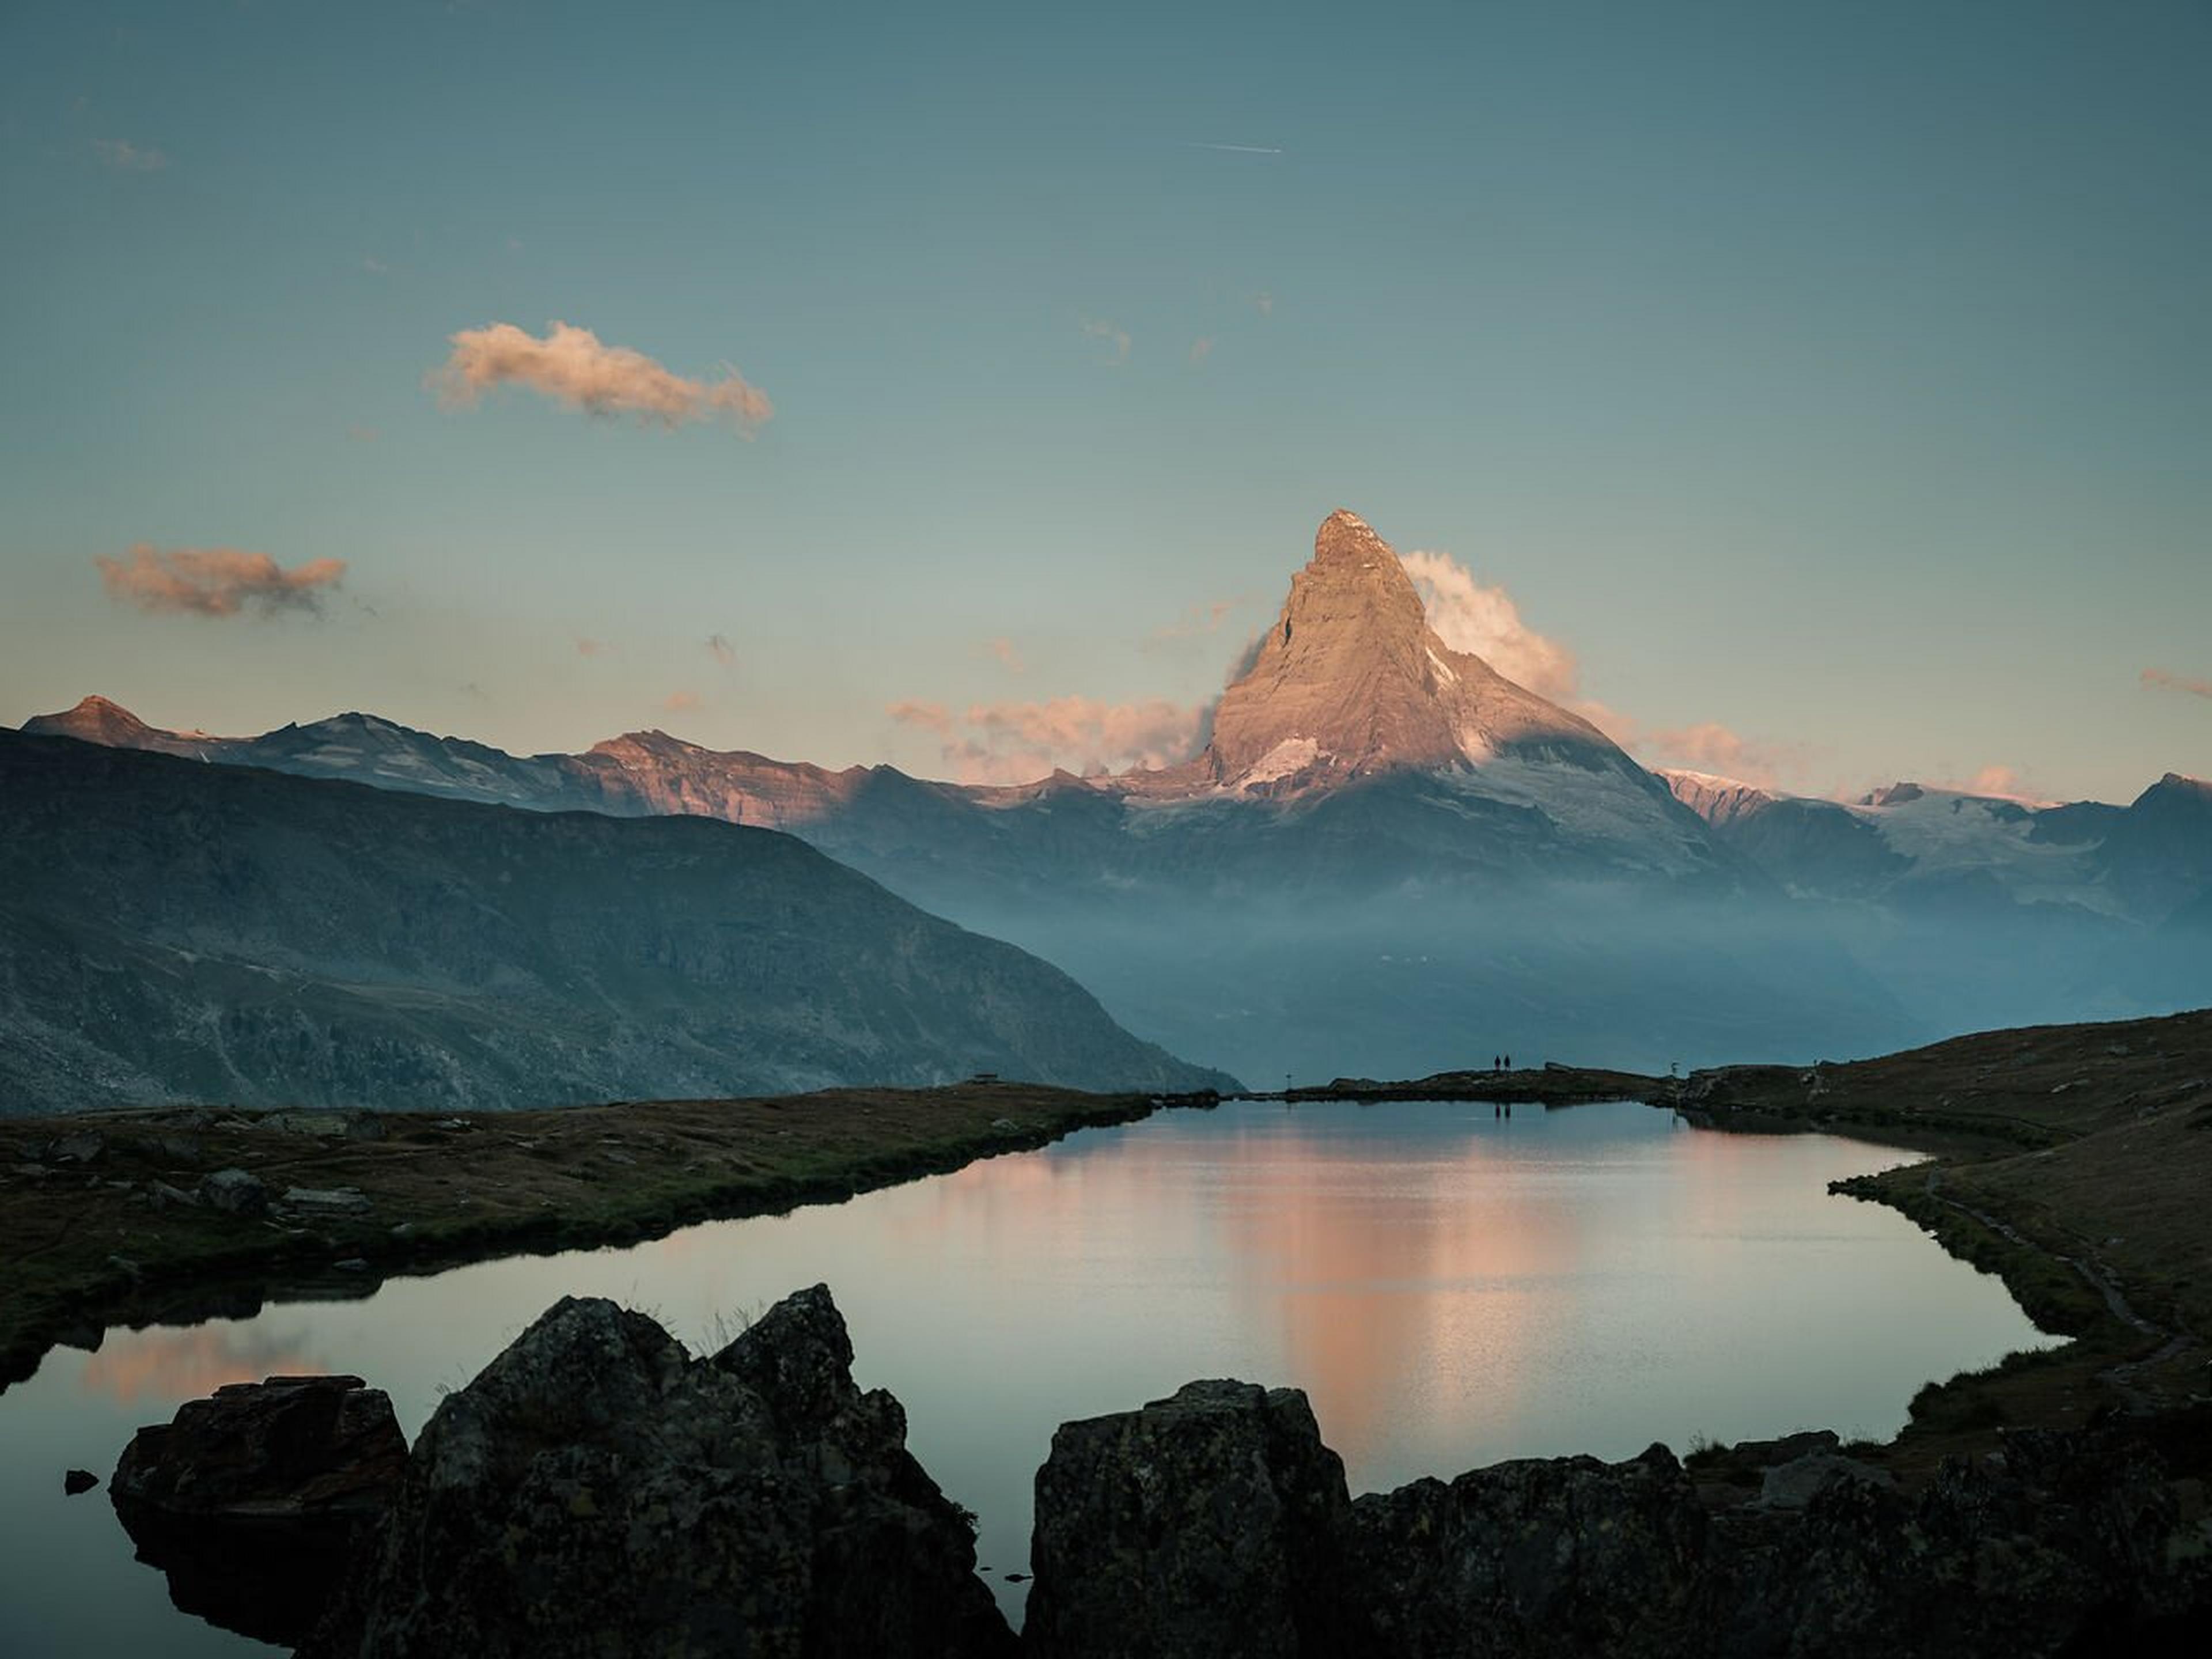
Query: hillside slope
point(174, 930)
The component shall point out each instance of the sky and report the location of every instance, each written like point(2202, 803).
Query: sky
point(1822, 395)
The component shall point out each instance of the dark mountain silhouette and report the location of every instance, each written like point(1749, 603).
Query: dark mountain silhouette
point(173, 929)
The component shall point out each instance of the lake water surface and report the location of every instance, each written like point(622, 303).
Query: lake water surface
point(1450, 1287)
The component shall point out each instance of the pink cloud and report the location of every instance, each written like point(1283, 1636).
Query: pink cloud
point(680, 702)
point(586, 646)
point(1483, 621)
point(572, 366)
point(1008, 655)
point(1201, 349)
point(1019, 742)
point(215, 581)
point(929, 716)
point(2162, 679)
point(1709, 746)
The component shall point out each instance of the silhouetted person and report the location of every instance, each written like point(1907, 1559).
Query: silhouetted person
point(1509, 1062)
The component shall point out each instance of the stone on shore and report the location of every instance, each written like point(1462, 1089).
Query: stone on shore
point(1560, 1556)
point(251, 1501)
point(596, 1490)
point(1206, 1524)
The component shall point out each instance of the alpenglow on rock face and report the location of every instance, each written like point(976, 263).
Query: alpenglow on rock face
point(1352, 681)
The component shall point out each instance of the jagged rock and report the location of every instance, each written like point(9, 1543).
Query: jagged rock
point(238, 1191)
point(1792, 1486)
point(1211, 1523)
point(595, 1491)
point(1557, 1556)
point(1206, 1524)
point(251, 1501)
point(75, 1482)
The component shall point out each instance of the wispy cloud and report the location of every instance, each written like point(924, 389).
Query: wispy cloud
point(681, 703)
point(1707, 746)
point(127, 157)
point(1020, 742)
point(1236, 149)
point(1201, 349)
point(720, 649)
point(1482, 620)
point(1098, 329)
point(587, 647)
point(216, 581)
point(2161, 679)
point(572, 366)
point(1264, 303)
point(1005, 654)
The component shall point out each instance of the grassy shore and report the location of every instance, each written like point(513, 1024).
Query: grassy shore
point(104, 1217)
point(2073, 1161)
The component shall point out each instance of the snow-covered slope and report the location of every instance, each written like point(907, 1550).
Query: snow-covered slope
point(1909, 842)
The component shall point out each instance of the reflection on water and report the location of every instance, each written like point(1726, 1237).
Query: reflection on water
point(1450, 1288)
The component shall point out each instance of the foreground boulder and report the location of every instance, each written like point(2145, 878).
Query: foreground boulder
point(597, 1491)
point(254, 1501)
point(1206, 1523)
point(1557, 1556)
point(1215, 1523)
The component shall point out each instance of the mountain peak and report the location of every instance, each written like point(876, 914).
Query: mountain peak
point(99, 720)
point(1344, 535)
point(1352, 681)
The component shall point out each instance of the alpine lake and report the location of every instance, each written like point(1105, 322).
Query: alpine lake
point(1451, 1287)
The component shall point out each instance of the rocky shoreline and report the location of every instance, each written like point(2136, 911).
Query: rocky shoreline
point(596, 1489)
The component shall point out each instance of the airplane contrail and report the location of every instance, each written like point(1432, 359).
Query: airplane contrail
point(1239, 149)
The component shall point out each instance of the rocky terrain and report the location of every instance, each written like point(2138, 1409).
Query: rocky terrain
point(175, 931)
point(598, 1489)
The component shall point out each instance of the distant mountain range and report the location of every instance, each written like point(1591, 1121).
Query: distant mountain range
point(171, 930)
point(1387, 859)
point(1910, 847)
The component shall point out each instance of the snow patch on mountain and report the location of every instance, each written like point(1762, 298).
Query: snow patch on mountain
point(1286, 759)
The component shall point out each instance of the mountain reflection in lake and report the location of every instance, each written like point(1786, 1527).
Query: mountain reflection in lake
point(1451, 1288)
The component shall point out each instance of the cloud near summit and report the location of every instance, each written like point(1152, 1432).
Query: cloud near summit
point(215, 581)
point(1484, 622)
point(1474, 616)
point(574, 367)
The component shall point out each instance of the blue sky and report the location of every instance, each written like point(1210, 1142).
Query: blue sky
point(1834, 379)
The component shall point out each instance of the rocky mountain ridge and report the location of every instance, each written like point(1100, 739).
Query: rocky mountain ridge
point(175, 930)
point(1388, 855)
point(2140, 862)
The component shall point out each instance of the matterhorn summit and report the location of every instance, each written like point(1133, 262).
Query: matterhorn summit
point(1352, 681)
